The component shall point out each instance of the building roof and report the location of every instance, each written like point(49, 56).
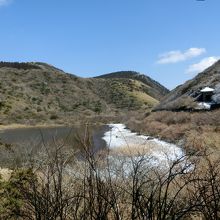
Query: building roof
point(207, 89)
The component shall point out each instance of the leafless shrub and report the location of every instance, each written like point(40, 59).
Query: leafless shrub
point(60, 185)
point(206, 189)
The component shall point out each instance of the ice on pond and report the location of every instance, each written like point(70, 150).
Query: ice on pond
point(123, 142)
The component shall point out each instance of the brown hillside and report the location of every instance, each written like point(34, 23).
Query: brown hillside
point(183, 96)
point(32, 93)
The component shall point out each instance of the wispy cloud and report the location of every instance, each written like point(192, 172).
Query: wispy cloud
point(202, 65)
point(178, 56)
point(5, 2)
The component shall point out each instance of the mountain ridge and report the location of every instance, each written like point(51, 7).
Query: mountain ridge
point(36, 92)
point(137, 76)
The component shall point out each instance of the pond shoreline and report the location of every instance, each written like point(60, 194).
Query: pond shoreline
point(179, 142)
point(17, 126)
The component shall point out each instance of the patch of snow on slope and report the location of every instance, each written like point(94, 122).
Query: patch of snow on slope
point(204, 105)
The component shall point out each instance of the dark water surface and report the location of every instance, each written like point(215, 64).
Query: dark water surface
point(22, 141)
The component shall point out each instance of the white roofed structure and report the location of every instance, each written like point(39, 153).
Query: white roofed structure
point(207, 89)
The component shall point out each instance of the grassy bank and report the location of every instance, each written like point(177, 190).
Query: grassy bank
point(191, 129)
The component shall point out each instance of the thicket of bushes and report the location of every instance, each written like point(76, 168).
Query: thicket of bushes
point(201, 127)
point(57, 185)
point(18, 65)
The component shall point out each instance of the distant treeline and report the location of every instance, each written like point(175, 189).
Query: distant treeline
point(18, 65)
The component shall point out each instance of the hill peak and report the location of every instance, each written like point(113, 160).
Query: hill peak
point(36, 92)
point(139, 77)
point(19, 65)
point(120, 74)
point(28, 66)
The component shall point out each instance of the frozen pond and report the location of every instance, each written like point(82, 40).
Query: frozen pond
point(122, 142)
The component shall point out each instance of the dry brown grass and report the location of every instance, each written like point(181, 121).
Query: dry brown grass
point(196, 129)
point(43, 94)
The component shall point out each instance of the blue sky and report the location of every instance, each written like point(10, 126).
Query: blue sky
point(169, 40)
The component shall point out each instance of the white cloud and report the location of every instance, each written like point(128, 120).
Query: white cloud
point(177, 55)
point(4, 2)
point(202, 65)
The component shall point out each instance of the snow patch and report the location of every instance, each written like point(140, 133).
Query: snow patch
point(204, 105)
point(123, 142)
